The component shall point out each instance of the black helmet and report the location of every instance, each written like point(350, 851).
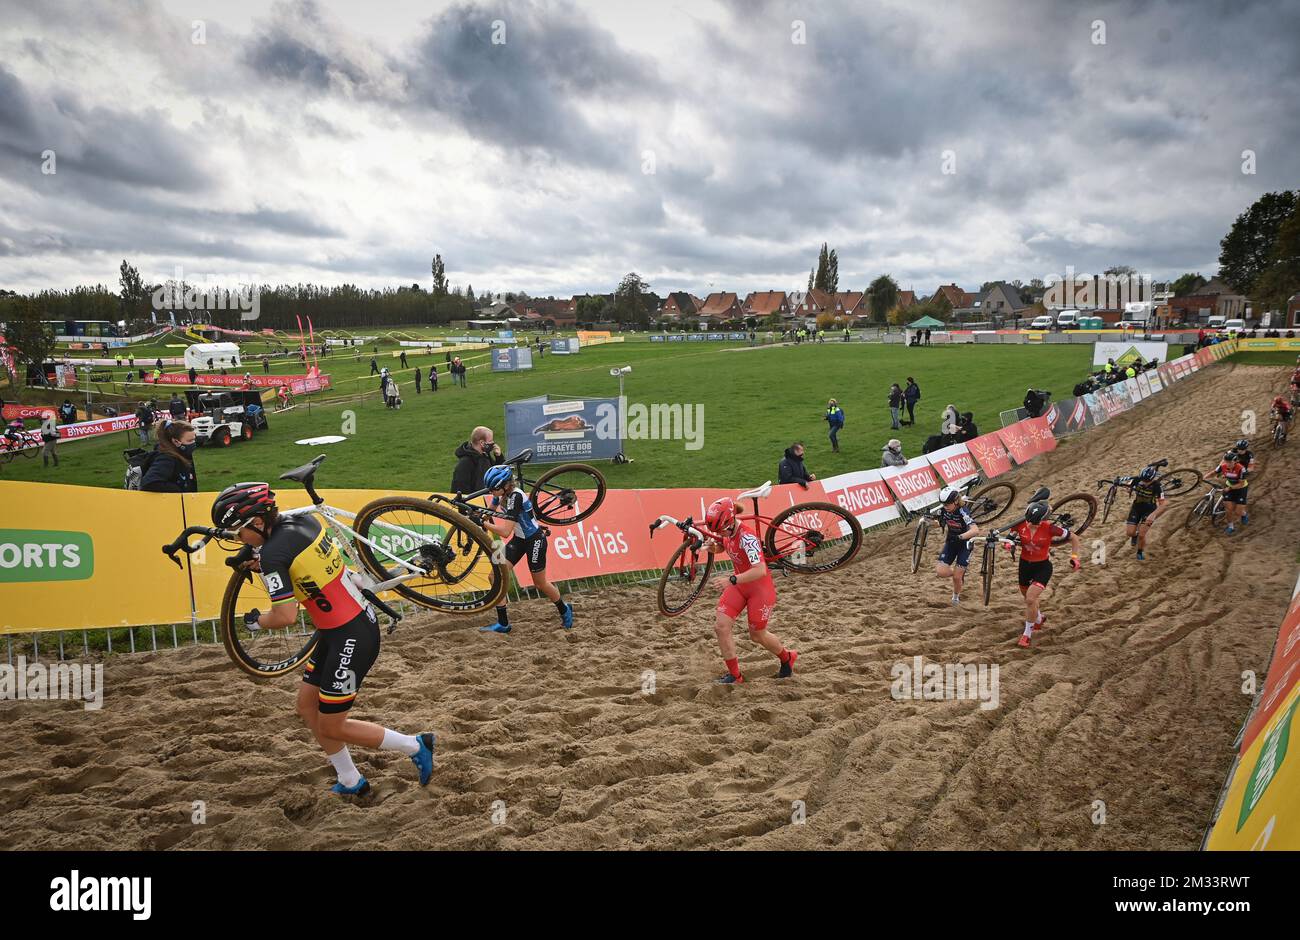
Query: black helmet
point(1148, 473)
point(240, 503)
point(1242, 444)
point(1037, 512)
point(1231, 457)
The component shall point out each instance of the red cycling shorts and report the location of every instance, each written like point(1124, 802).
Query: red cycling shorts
point(758, 597)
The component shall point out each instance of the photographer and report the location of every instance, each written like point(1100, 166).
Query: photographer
point(1036, 401)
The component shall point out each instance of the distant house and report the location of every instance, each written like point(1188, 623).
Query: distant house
point(679, 304)
point(720, 306)
point(906, 298)
point(546, 311)
point(816, 302)
point(497, 311)
point(1002, 300)
point(1227, 302)
point(955, 296)
point(762, 304)
point(853, 303)
point(1192, 308)
point(795, 298)
point(1293, 310)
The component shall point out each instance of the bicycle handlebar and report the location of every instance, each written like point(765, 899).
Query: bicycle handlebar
point(182, 541)
point(686, 525)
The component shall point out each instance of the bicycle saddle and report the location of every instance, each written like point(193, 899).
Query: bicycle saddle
point(1041, 494)
point(305, 472)
point(759, 493)
point(522, 457)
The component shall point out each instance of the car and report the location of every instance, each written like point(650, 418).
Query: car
point(1041, 323)
point(1215, 322)
point(1234, 326)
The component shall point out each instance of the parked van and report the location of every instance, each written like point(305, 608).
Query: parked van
point(1234, 326)
point(1041, 323)
point(1215, 322)
point(1067, 319)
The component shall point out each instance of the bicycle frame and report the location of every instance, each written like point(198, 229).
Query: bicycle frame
point(332, 516)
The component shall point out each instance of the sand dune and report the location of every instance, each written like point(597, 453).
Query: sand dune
point(1132, 696)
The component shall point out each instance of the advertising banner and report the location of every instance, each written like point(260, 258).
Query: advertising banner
point(863, 493)
point(512, 359)
point(561, 430)
point(914, 483)
point(1015, 438)
point(567, 347)
point(1068, 416)
point(991, 454)
point(298, 384)
point(1040, 434)
point(954, 464)
point(11, 412)
point(1126, 353)
point(1283, 673)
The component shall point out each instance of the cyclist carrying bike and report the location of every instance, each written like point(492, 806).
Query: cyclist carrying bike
point(958, 528)
point(748, 588)
point(1235, 483)
point(300, 563)
point(526, 540)
point(1246, 456)
point(1281, 410)
point(1149, 504)
point(1035, 535)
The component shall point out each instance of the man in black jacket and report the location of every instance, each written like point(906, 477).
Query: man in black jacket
point(473, 459)
point(1034, 402)
point(791, 468)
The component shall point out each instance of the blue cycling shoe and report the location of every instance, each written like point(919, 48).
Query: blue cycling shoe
point(495, 628)
point(566, 618)
point(423, 758)
point(361, 789)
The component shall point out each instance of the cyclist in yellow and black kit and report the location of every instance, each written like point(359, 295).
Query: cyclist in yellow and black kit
point(300, 563)
point(1149, 504)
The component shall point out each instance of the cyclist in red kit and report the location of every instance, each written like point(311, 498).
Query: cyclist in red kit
point(1035, 535)
point(749, 588)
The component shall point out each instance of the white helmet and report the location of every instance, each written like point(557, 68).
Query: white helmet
point(949, 494)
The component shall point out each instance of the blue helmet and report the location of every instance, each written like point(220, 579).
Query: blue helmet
point(496, 477)
point(1149, 473)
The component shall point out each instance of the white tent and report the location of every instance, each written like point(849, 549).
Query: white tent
point(223, 356)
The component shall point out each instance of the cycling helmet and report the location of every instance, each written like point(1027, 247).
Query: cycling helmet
point(1278, 400)
point(241, 503)
point(1242, 444)
point(496, 477)
point(1232, 457)
point(1037, 512)
point(1149, 473)
point(721, 514)
point(949, 494)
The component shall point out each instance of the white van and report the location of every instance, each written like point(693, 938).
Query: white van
point(1067, 319)
point(1041, 323)
point(1234, 326)
point(1215, 322)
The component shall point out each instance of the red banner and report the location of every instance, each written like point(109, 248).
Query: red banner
point(24, 412)
point(1040, 434)
point(914, 484)
point(72, 432)
point(991, 454)
point(1017, 441)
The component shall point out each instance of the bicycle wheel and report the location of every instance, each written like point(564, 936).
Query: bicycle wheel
point(263, 654)
point(989, 502)
point(457, 555)
point(568, 493)
point(1075, 512)
point(1180, 482)
point(1218, 512)
point(987, 564)
point(1197, 512)
point(918, 543)
point(683, 579)
point(1106, 503)
point(812, 537)
point(1279, 435)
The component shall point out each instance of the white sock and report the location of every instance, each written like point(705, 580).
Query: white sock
point(1040, 617)
point(349, 776)
point(1029, 627)
point(408, 744)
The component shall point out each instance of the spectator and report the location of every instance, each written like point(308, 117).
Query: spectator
point(473, 459)
point(266, 364)
point(891, 455)
point(49, 439)
point(417, 380)
point(402, 359)
point(948, 424)
point(433, 377)
point(895, 403)
point(835, 418)
point(911, 395)
point(158, 364)
point(1034, 402)
point(67, 411)
point(144, 415)
point(966, 430)
point(927, 336)
point(170, 468)
point(176, 407)
point(392, 397)
point(791, 468)
point(374, 366)
point(130, 377)
point(194, 376)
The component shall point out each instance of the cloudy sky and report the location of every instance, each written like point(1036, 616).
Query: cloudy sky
point(553, 147)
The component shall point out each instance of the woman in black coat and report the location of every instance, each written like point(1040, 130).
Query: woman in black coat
point(170, 468)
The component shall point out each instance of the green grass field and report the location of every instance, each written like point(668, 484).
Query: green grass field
point(755, 403)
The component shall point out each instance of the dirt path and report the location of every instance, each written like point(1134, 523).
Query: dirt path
point(1132, 696)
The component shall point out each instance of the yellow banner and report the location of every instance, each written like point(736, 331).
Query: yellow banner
point(74, 557)
point(1262, 808)
point(1278, 343)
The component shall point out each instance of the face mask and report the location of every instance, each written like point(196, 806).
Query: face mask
point(187, 449)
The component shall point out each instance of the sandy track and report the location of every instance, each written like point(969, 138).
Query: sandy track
point(1131, 696)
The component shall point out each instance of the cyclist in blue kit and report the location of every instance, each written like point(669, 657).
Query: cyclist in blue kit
point(525, 539)
point(958, 529)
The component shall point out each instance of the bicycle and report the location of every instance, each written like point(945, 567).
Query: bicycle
point(806, 538)
point(984, 505)
point(439, 552)
point(988, 560)
point(1279, 432)
point(1209, 506)
point(1174, 483)
point(13, 447)
point(554, 494)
